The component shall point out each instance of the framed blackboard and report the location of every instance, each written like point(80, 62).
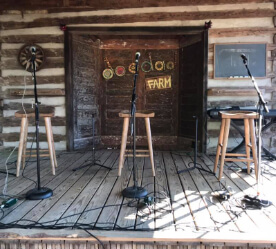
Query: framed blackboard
point(229, 64)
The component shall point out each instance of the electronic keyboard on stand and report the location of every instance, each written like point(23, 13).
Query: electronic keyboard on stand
point(214, 114)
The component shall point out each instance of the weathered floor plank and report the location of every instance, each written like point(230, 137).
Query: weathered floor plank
point(180, 206)
point(64, 198)
point(240, 188)
point(53, 182)
point(97, 203)
point(199, 211)
point(217, 214)
point(163, 211)
point(127, 213)
point(91, 197)
point(115, 199)
point(79, 204)
point(145, 215)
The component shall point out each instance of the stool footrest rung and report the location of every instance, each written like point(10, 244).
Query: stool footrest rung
point(238, 160)
point(234, 154)
point(137, 150)
point(137, 155)
point(40, 155)
point(29, 151)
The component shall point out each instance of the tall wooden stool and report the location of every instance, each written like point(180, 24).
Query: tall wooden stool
point(249, 133)
point(139, 114)
point(47, 114)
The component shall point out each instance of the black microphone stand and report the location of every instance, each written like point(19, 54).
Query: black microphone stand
point(38, 193)
point(134, 191)
point(260, 107)
point(195, 156)
point(93, 159)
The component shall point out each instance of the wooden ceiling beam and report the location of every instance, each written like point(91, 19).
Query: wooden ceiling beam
point(232, 32)
point(141, 17)
point(77, 5)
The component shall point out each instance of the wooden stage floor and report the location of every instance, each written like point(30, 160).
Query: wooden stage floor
point(91, 197)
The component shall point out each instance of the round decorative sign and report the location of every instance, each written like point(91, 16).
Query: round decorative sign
point(120, 71)
point(170, 65)
point(159, 65)
point(146, 66)
point(131, 68)
point(26, 53)
point(108, 73)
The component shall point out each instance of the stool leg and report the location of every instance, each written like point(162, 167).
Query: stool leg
point(21, 144)
point(25, 144)
point(48, 128)
point(123, 145)
point(53, 143)
point(247, 143)
point(254, 146)
point(147, 123)
point(224, 145)
point(220, 140)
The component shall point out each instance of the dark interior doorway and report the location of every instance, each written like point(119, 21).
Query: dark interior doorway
point(89, 51)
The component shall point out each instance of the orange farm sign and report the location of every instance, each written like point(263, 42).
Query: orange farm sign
point(158, 83)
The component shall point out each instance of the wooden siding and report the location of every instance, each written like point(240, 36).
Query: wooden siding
point(21, 23)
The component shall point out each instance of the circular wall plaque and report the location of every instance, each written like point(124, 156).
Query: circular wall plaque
point(131, 68)
point(170, 65)
point(25, 57)
point(146, 66)
point(108, 73)
point(120, 71)
point(159, 65)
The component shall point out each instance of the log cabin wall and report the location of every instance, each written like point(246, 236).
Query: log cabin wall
point(39, 22)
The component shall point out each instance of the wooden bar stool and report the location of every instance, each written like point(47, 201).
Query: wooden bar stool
point(249, 133)
point(139, 114)
point(47, 114)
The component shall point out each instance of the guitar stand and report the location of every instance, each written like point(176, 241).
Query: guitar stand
point(93, 160)
point(195, 157)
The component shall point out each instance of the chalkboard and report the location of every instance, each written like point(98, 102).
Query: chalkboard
point(229, 64)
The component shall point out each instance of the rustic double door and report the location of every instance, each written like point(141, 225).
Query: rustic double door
point(178, 58)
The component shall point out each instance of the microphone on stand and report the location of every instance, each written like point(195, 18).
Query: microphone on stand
point(38, 193)
point(137, 55)
point(244, 58)
point(135, 191)
point(33, 51)
point(133, 106)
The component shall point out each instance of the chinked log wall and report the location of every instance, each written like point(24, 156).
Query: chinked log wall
point(245, 21)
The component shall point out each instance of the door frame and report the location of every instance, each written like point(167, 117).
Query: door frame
point(94, 31)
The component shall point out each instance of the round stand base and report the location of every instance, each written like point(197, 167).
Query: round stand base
point(134, 192)
point(39, 194)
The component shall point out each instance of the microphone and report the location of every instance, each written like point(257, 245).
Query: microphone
point(137, 55)
point(244, 57)
point(33, 50)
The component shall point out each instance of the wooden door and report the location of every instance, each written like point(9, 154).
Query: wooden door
point(82, 90)
point(192, 87)
point(117, 94)
point(162, 101)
